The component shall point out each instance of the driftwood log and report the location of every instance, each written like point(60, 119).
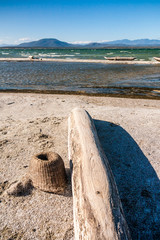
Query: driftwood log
point(97, 209)
point(120, 58)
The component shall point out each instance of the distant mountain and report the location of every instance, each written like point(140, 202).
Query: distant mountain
point(48, 42)
point(137, 42)
point(127, 43)
point(95, 45)
point(55, 43)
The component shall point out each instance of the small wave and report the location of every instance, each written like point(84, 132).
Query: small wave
point(46, 54)
point(151, 80)
point(52, 55)
point(65, 55)
point(124, 51)
point(110, 53)
point(5, 53)
point(68, 55)
point(57, 55)
point(77, 53)
point(24, 55)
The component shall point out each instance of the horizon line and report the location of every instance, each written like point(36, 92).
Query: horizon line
point(19, 41)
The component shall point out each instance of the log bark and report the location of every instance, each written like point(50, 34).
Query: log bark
point(97, 209)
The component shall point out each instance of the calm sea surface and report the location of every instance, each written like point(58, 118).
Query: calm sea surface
point(90, 78)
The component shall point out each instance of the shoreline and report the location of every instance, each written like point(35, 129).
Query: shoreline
point(79, 61)
point(131, 92)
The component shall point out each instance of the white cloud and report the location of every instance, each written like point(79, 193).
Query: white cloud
point(103, 41)
point(87, 42)
point(25, 39)
point(80, 42)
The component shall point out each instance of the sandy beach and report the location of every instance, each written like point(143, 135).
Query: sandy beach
point(129, 131)
point(135, 62)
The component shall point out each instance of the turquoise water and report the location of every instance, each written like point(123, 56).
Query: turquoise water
point(139, 54)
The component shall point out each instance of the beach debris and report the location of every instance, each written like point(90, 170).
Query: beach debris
point(47, 172)
point(97, 208)
point(31, 57)
point(3, 142)
point(156, 92)
point(10, 103)
point(3, 186)
point(157, 59)
point(120, 58)
point(21, 187)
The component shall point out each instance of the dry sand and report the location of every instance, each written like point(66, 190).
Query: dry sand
point(129, 130)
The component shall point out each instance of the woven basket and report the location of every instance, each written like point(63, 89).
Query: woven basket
point(47, 172)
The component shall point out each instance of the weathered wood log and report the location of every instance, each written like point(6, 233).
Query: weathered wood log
point(97, 208)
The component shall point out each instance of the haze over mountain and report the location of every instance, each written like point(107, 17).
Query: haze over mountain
point(126, 43)
point(55, 43)
point(137, 42)
point(6, 45)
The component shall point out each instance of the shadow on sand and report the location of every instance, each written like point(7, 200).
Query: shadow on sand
point(137, 181)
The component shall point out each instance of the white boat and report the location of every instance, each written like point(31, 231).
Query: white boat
point(120, 58)
point(157, 59)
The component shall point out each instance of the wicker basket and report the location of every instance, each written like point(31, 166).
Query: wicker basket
point(47, 172)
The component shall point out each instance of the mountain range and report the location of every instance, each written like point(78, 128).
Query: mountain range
point(55, 43)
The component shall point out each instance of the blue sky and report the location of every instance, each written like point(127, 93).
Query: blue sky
point(75, 21)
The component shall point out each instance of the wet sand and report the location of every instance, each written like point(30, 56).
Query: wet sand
point(129, 131)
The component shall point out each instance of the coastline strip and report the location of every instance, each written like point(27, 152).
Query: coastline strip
point(78, 61)
point(137, 93)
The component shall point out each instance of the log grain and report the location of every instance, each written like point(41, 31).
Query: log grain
point(97, 209)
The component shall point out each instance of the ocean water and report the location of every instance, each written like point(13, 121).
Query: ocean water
point(81, 78)
point(139, 54)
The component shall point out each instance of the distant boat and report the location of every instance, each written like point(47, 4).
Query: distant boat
point(157, 59)
point(120, 58)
